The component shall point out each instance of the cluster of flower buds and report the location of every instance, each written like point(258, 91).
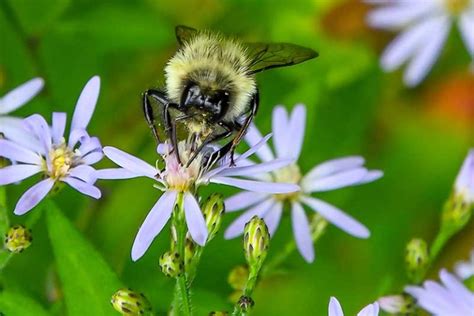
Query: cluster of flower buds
point(256, 242)
point(171, 264)
point(417, 259)
point(213, 210)
point(18, 238)
point(128, 302)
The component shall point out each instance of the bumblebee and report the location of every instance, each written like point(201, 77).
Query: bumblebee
point(211, 87)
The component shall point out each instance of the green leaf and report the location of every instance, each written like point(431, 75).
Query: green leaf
point(87, 280)
point(13, 303)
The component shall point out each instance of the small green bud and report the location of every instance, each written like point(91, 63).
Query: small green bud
point(417, 259)
point(245, 303)
point(317, 225)
point(128, 302)
point(213, 210)
point(171, 264)
point(238, 277)
point(456, 213)
point(18, 238)
point(256, 241)
point(189, 250)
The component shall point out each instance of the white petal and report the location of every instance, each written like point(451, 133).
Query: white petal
point(253, 137)
point(302, 232)
point(466, 27)
point(280, 129)
point(335, 308)
point(83, 187)
point(406, 44)
point(153, 224)
point(195, 220)
point(272, 217)
point(84, 172)
point(18, 153)
point(257, 186)
point(92, 157)
point(243, 200)
point(115, 173)
point(15, 173)
point(85, 105)
point(33, 196)
point(337, 217)
point(13, 129)
point(370, 310)
point(427, 54)
point(456, 287)
point(129, 162)
point(58, 126)
point(39, 127)
point(296, 130)
point(256, 168)
point(399, 14)
point(20, 95)
point(371, 176)
point(237, 227)
point(465, 179)
point(332, 166)
point(336, 181)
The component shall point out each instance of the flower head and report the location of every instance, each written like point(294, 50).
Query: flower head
point(465, 269)
point(464, 185)
point(425, 25)
point(288, 135)
point(59, 160)
point(335, 309)
point(180, 182)
point(12, 127)
point(450, 297)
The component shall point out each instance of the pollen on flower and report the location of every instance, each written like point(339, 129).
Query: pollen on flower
point(62, 159)
point(290, 174)
point(455, 7)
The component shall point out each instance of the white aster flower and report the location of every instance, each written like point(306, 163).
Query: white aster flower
point(464, 185)
point(447, 299)
point(288, 135)
point(180, 182)
point(59, 160)
point(425, 25)
point(335, 309)
point(12, 127)
point(465, 269)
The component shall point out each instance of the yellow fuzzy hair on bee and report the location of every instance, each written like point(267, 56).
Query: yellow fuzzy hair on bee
point(214, 63)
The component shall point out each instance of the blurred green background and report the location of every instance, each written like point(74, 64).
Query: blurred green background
point(418, 137)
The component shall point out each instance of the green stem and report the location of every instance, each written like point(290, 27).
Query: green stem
point(4, 221)
point(182, 301)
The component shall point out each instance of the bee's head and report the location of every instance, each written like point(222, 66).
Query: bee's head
point(213, 102)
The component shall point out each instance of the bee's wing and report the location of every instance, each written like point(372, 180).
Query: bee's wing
point(184, 33)
point(265, 56)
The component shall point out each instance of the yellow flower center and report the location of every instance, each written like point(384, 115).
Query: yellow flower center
point(62, 159)
point(455, 7)
point(289, 174)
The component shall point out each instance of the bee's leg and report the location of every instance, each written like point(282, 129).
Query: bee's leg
point(209, 139)
point(149, 115)
point(170, 127)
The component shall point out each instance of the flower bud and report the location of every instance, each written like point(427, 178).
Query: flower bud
point(171, 264)
point(189, 250)
point(397, 304)
point(128, 302)
point(213, 210)
point(238, 277)
point(18, 238)
point(417, 259)
point(256, 241)
point(456, 213)
point(245, 303)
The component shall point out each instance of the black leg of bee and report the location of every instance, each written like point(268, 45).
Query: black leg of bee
point(171, 130)
point(149, 116)
point(209, 139)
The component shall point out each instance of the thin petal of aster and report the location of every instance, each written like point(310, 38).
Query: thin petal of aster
point(243, 200)
point(253, 138)
point(33, 196)
point(466, 26)
point(256, 169)
point(153, 224)
point(337, 217)
point(92, 157)
point(335, 308)
point(257, 186)
point(297, 125)
point(15, 173)
point(20, 95)
point(18, 153)
point(90, 144)
point(333, 166)
point(58, 126)
point(272, 217)
point(281, 131)
point(456, 287)
point(76, 136)
point(465, 178)
point(39, 127)
point(195, 220)
point(336, 181)
point(85, 105)
point(371, 176)
point(398, 15)
point(116, 173)
point(130, 162)
point(370, 310)
point(260, 144)
point(237, 227)
point(84, 172)
point(426, 56)
point(13, 129)
point(406, 44)
point(83, 187)
point(302, 232)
